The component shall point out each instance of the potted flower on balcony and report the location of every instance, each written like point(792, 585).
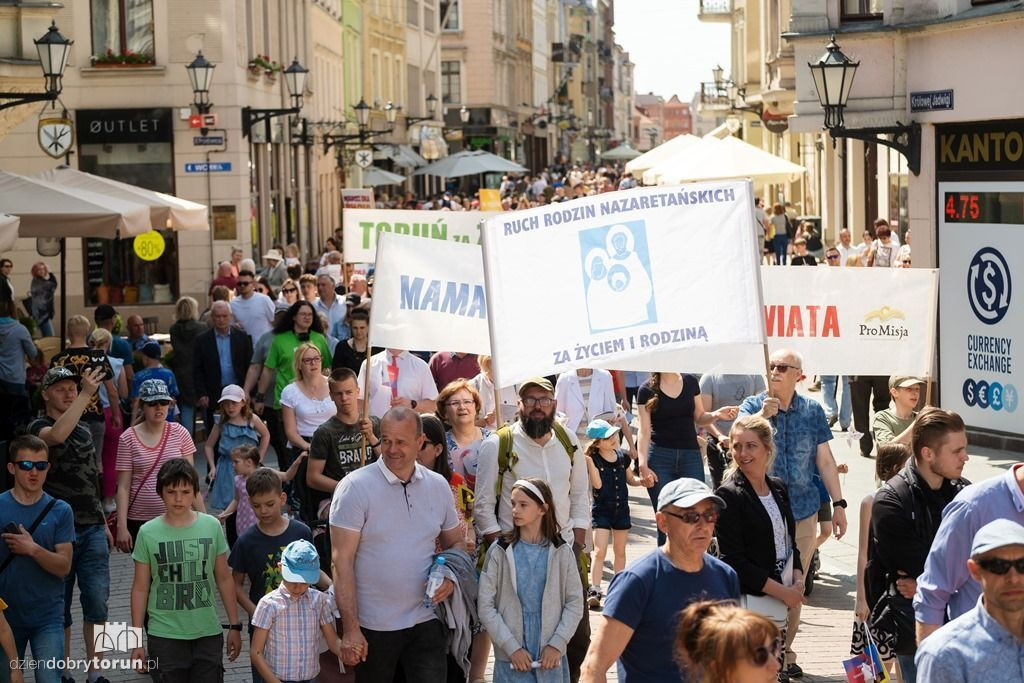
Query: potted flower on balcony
point(265, 65)
point(122, 58)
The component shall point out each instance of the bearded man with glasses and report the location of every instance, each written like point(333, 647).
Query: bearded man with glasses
point(643, 604)
point(801, 446)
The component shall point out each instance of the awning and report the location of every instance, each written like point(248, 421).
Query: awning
point(721, 131)
point(717, 159)
point(403, 155)
point(166, 211)
point(662, 152)
point(8, 232)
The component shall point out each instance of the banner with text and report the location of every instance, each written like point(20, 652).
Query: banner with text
point(429, 295)
point(853, 321)
point(361, 228)
point(357, 198)
point(660, 278)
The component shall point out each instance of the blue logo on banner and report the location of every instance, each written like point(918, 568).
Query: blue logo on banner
point(990, 395)
point(616, 268)
point(988, 286)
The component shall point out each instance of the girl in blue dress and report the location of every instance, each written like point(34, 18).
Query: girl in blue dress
point(236, 426)
point(531, 598)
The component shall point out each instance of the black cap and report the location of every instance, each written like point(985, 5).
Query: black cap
point(104, 312)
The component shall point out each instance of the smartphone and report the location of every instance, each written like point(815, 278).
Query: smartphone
point(11, 528)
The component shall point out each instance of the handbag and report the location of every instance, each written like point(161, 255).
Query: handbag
point(112, 517)
point(767, 606)
point(891, 623)
point(31, 529)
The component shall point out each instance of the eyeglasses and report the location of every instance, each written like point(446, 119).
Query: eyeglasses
point(311, 361)
point(464, 402)
point(692, 517)
point(41, 465)
point(905, 262)
point(763, 654)
point(999, 566)
point(289, 290)
point(782, 367)
point(544, 402)
point(832, 257)
point(162, 404)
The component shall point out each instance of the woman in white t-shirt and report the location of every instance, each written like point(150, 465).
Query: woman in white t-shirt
point(306, 402)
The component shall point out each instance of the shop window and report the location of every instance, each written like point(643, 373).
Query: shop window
point(451, 83)
point(450, 15)
point(861, 10)
point(122, 27)
point(113, 272)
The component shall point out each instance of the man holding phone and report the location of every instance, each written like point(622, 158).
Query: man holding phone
point(35, 556)
point(74, 477)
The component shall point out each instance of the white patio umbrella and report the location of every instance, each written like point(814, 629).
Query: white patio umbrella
point(8, 232)
point(652, 176)
point(729, 158)
point(375, 175)
point(50, 210)
point(470, 163)
point(164, 210)
point(621, 153)
point(665, 150)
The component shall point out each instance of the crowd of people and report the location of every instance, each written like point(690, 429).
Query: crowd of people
point(419, 523)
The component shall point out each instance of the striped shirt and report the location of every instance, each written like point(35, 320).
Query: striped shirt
point(293, 625)
point(138, 458)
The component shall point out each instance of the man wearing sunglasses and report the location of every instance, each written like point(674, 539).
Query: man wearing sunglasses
point(801, 444)
point(985, 643)
point(644, 601)
point(252, 310)
point(35, 563)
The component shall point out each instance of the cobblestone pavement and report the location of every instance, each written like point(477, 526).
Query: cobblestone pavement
point(824, 637)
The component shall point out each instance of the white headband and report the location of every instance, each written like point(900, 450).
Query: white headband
point(531, 488)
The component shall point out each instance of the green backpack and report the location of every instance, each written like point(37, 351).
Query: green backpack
point(507, 459)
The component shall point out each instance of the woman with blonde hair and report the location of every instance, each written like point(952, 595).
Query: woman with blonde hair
point(718, 642)
point(306, 404)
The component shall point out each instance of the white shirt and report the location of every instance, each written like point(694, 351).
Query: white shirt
point(509, 398)
point(852, 250)
point(334, 313)
point(569, 396)
point(310, 413)
point(255, 314)
point(415, 382)
point(570, 485)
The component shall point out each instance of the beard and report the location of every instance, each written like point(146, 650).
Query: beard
point(536, 427)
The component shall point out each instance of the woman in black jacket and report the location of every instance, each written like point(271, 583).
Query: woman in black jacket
point(756, 530)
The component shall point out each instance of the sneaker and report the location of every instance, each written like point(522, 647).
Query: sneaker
point(794, 671)
point(593, 597)
point(832, 419)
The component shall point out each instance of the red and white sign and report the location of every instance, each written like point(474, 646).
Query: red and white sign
point(202, 121)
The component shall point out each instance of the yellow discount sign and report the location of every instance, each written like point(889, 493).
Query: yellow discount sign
point(149, 246)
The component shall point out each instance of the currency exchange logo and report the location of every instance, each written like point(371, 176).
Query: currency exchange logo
point(988, 286)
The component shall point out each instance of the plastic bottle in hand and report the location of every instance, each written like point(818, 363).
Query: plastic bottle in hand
point(434, 581)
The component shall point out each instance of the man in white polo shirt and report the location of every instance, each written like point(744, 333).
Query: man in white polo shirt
point(252, 310)
point(398, 379)
point(384, 520)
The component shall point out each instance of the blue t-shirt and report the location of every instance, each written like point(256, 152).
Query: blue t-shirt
point(162, 374)
point(34, 595)
point(648, 596)
point(798, 433)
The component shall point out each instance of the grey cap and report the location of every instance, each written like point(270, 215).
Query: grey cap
point(153, 390)
point(997, 534)
point(685, 493)
point(59, 374)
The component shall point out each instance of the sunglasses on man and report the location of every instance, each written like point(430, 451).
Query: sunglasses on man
point(692, 517)
point(41, 465)
point(1001, 567)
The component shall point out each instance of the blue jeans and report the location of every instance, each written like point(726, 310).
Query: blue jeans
point(670, 464)
point(781, 245)
point(187, 417)
point(907, 668)
point(828, 389)
point(46, 327)
point(47, 649)
point(90, 564)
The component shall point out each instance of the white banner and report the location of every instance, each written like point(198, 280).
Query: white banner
point(361, 227)
point(661, 278)
point(429, 295)
point(357, 198)
point(853, 321)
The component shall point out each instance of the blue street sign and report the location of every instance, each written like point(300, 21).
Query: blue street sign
point(931, 100)
point(208, 140)
point(212, 167)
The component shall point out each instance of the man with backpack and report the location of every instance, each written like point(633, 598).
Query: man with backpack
point(536, 446)
point(905, 517)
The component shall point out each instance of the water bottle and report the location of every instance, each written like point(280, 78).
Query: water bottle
point(434, 581)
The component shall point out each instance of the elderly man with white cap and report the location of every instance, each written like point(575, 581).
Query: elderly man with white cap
point(987, 642)
point(276, 270)
point(645, 599)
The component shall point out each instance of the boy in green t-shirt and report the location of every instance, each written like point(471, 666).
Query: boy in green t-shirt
point(180, 559)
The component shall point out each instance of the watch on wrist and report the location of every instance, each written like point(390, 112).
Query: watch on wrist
point(231, 627)
point(841, 503)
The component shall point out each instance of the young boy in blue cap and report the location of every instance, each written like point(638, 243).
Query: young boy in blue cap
point(288, 621)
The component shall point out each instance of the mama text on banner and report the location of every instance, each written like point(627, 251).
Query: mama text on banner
point(853, 321)
point(361, 227)
point(659, 278)
point(429, 295)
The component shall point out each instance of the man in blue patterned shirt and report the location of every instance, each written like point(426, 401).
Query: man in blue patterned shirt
point(987, 642)
point(801, 444)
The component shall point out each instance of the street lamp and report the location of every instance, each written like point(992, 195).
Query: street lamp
point(295, 80)
point(717, 73)
point(53, 49)
point(431, 111)
point(200, 73)
point(362, 110)
point(362, 113)
point(390, 113)
point(833, 80)
point(463, 114)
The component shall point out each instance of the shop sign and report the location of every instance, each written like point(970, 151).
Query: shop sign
point(56, 136)
point(986, 146)
point(932, 100)
point(149, 246)
point(111, 126)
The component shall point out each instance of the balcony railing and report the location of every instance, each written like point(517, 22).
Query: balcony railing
point(715, 10)
point(714, 97)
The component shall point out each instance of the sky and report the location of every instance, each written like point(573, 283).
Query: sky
point(672, 50)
